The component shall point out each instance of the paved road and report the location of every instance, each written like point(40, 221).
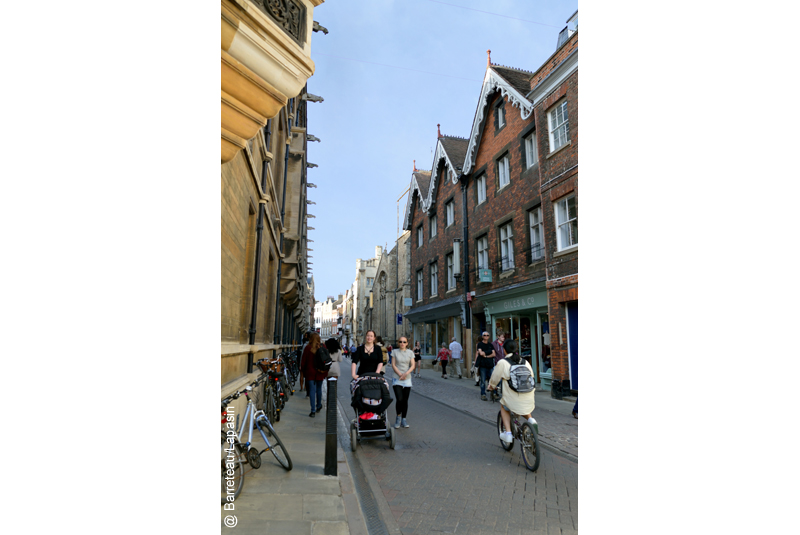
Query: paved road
point(449, 474)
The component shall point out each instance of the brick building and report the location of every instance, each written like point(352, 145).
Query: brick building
point(504, 203)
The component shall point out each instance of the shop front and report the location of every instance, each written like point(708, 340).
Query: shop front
point(522, 313)
point(436, 324)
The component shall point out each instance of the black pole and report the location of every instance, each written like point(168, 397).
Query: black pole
point(331, 468)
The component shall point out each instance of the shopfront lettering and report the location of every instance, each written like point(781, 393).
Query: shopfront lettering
point(518, 303)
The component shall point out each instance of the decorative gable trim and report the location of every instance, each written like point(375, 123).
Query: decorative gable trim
point(492, 81)
point(441, 154)
point(414, 189)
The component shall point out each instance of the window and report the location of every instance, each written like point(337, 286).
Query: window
point(433, 226)
point(370, 281)
point(566, 222)
point(419, 285)
point(501, 115)
point(481, 185)
point(451, 212)
point(434, 278)
point(483, 252)
point(419, 236)
point(506, 247)
point(503, 171)
point(537, 233)
point(558, 122)
point(451, 279)
point(531, 156)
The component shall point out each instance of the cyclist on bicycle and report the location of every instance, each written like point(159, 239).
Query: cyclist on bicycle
point(516, 402)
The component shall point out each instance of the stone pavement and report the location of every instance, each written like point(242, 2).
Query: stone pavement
point(448, 473)
point(558, 430)
point(303, 500)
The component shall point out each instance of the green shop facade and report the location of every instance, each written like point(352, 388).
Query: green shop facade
point(522, 312)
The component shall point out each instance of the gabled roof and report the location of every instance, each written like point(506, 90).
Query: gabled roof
point(451, 149)
point(509, 82)
point(420, 182)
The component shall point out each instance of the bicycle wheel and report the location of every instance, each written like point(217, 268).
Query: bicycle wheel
point(232, 471)
point(276, 446)
point(269, 405)
point(506, 445)
point(529, 444)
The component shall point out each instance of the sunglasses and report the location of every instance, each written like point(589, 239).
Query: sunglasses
point(401, 342)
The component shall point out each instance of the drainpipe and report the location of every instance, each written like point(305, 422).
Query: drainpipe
point(259, 231)
point(283, 211)
point(465, 225)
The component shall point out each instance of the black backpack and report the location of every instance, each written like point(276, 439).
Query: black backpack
point(520, 378)
point(322, 360)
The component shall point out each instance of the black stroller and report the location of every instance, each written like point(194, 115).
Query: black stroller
point(370, 395)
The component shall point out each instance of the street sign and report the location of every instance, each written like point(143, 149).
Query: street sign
point(484, 275)
point(399, 319)
point(408, 301)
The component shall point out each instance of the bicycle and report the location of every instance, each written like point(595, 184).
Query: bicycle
point(239, 453)
point(274, 392)
point(528, 438)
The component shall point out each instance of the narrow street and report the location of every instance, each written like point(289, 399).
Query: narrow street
point(449, 474)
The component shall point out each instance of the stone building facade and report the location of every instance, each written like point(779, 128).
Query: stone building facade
point(364, 280)
point(389, 295)
point(265, 294)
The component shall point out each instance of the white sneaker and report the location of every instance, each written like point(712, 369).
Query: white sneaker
point(507, 437)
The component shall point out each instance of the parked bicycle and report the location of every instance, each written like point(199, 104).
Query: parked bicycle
point(275, 391)
point(235, 453)
point(527, 435)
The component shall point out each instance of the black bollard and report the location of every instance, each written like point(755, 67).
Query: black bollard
point(331, 466)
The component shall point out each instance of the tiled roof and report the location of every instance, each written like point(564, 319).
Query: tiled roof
point(456, 148)
point(424, 182)
point(517, 78)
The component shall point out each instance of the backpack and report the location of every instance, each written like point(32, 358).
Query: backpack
point(322, 360)
point(520, 377)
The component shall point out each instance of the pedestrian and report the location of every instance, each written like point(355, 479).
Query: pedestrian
point(313, 377)
point(367, 357)
point(389, 350)
point(379, 343)
point(455, 357)
point(352, 350)
point(442, 357)
point(335, 351)
point(417, 357)
point(485, 361)
point(499, 353)
point(403, 366)
point(516, 402)
point(575, 409)
point(302, 350)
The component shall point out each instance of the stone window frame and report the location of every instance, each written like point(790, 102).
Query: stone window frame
point(433, 276)
point(551, 118)
point(559, 246)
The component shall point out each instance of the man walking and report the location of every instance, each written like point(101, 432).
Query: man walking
point(455, 358)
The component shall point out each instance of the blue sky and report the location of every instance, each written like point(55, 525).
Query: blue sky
point(376, 120)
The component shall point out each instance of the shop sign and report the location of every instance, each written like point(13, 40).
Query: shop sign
point(519, 303)
point(399, 319)
point(408, 301)
point(484, 275)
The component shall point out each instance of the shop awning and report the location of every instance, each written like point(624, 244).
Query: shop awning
point(452, 306)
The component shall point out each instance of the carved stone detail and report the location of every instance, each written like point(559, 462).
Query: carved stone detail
point(289, 15)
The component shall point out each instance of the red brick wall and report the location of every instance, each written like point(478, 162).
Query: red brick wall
point(553, 61)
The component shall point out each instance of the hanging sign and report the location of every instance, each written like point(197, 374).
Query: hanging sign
point(408, 301)
point(399, 319)
point(484, 275)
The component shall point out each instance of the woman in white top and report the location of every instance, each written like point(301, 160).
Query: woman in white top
point(403, 365)
point(518, 403)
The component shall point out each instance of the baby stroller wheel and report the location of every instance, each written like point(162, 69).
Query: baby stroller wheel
point(353, 436)
point(391, 437)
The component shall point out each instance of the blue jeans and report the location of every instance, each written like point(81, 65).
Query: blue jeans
point(315, 389)
point(486, 373)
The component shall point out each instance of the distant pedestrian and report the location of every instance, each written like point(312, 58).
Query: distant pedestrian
point(575, 409)
point(499, 352)
point(313, 377)
point(403, 367)
point(455, 357)
point(484, 361)
point(335, 351)
point(443, 356)
point(389, 350)
point(379, 343)
point(417, 357)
